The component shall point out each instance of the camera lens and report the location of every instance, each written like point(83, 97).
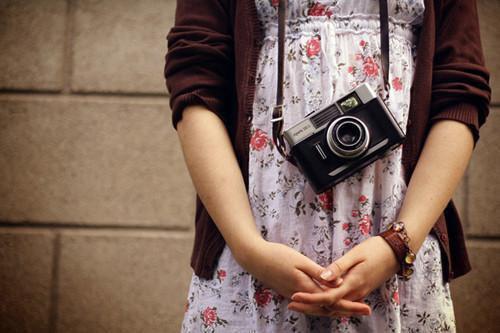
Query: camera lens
point(348, 137)
point(349, 133)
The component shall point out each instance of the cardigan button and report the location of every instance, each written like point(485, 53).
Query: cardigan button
point(443, 238)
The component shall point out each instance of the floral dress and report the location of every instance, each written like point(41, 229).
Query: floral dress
point(331, 47)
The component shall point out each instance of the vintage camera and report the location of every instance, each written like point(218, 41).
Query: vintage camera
point(341, 139)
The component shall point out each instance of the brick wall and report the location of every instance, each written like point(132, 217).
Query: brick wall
point(95, 202)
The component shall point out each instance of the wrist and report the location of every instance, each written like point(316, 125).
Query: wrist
point(245, 249)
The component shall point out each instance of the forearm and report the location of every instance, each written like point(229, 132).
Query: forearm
point(217, 177)
point(443, 161)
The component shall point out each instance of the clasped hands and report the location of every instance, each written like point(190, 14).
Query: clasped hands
point(337, 290)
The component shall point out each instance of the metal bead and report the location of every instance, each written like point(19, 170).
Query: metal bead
point(410, 258)
point(407, 272)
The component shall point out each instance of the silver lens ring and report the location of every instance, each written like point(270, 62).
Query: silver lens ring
point(345, 153)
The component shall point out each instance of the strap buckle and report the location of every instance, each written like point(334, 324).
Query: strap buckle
point(277, 113)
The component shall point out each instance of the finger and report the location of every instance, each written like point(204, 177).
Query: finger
point(341, 308)
point(340, 266)
point(308, 309)
point(348, 306)
point(311, 268)
point(332, 273)
point(342, 305)
point(309, 284)
point(326, 297)
point(325, 285)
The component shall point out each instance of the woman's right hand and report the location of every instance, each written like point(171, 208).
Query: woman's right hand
point(286, 271)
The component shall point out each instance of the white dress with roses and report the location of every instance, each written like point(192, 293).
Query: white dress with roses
point(331, 47)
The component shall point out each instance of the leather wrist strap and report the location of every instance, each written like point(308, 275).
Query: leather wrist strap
point(277, 117)
point(396, 243)
point(398, 240)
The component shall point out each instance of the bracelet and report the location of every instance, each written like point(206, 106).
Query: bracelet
point(398, 239)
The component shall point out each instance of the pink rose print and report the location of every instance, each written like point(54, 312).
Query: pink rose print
point(395, 297)
point(259, 140)
point(345, 226)
point(312, 47)
point(365, 224)
point(354, 213)
point(362, 43)
point(370, 68)
point(347, 241)
point(319, 10)
point(263, 297)
point(221, 274)
point(326, 200)
point(350, 69)
point(362, 199)
point(275, 3)
point(397, 84)
point(344, 320)
point(209, 316)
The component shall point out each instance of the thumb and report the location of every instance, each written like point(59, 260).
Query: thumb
point(339, 267)
point(311, 268)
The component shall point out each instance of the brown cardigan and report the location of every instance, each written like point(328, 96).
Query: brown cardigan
point(212, 60)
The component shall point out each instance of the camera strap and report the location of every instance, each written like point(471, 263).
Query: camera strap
point(277, 117)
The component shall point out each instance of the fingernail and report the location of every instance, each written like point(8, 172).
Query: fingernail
point(326, 275)
point(340, 280)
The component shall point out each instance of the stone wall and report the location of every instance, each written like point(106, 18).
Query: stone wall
point(95, 202)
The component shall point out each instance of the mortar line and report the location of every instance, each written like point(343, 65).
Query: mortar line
point(53, 225)
point(484, 238)
point(23, 92)
point(54, 292)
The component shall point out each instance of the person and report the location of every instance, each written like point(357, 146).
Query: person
point(269, 254)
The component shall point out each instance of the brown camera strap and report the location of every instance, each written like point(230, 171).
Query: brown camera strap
point(277, 118)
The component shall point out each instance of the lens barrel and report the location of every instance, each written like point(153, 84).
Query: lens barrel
point(348, 137)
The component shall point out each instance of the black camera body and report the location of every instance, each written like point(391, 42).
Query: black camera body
point(341, 139)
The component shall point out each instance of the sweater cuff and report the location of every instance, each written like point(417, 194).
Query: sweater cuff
point(465, 113)
point(194, 98)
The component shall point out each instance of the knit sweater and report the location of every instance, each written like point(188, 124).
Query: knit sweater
point(212, 57)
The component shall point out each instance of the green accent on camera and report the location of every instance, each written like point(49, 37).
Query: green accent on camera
point(349, 103)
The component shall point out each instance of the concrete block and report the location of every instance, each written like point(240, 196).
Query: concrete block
point(123, 281)
point(92, 161)
point(25, 280)
point(32, 44)
point(489, 11)
point(484, 173)
point(476, 295)
point(120, 45)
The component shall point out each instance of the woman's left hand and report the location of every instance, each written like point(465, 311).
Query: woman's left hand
point(364, 268)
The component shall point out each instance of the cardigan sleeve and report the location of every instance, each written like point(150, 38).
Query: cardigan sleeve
point(460, 88)
point(199, 61)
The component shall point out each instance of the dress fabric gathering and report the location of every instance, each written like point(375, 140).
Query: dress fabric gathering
point(331, 46)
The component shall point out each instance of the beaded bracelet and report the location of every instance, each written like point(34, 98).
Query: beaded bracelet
point(398, 239)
